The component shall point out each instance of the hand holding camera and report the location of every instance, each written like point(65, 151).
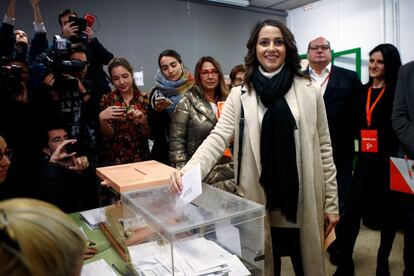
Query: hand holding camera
point(65, 156)
point(137, 115)
point(70, 30)
point(113, 113)
point(140, 117)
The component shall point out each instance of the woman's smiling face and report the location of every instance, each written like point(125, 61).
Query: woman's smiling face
point(270, 48)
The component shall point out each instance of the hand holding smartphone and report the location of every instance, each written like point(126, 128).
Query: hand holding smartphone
point(163, 100)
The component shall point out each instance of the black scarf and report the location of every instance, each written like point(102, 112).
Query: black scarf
point(279, 176)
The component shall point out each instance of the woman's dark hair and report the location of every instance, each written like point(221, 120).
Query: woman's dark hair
point(118, 61)
point(251, 61)
point(169, 53)
point(221, 90)
point(392, 63)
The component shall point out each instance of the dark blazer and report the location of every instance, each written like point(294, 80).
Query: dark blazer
point(341, 95)
point(403, 109)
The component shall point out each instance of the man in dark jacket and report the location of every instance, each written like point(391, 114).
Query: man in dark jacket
point(403, 124)
point(98, 55)
point(65, 179)
point(340, 88)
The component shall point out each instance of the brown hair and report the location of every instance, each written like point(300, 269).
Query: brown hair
point(119, 61)
point(64, 13)
point(236, 69)
point(221, 90)
point(251, 61)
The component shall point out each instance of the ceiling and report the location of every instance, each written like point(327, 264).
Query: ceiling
point(279, 4)
point(275, 7)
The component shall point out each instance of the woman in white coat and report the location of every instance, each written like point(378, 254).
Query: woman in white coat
point(286, 161)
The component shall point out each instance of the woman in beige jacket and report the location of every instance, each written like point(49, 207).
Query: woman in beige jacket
point(286, 160)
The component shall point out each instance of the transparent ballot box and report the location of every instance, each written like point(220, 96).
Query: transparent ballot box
point(217, 234)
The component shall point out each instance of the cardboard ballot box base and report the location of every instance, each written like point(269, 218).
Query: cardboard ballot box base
point(134, 176)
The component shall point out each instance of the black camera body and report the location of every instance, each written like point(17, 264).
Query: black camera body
point(81, 24)
point(57, 61)
point(71, 148)
point(10, 80)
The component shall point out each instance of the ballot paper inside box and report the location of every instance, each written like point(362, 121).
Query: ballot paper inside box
point(218, 233)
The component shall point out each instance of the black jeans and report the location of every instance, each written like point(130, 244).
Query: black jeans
point(286, 242)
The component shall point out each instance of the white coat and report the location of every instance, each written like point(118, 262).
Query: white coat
point(318, 173)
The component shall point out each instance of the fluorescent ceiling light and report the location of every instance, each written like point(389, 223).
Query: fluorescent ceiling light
point(243, 3)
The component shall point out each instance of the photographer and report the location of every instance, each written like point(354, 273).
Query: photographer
point(19, 120)
point(76, 30)
point(72, 98)
point(15, 43)
point(65, 179)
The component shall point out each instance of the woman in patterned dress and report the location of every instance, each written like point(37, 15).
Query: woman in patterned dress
point(123, 119)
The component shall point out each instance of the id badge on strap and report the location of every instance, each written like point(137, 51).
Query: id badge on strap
point(369, 140)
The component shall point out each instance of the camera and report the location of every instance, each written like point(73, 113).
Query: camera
point(10, 80)
point(55, 61)
point(129, 111)
point(81, 23)
point(71, 148)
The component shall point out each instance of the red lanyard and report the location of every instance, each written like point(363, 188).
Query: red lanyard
point(327, 78)
point(369, 109)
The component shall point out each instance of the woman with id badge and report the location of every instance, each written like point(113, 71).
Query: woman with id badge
point(370, 197)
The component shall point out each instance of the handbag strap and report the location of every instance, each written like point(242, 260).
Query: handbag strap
point(241, 131)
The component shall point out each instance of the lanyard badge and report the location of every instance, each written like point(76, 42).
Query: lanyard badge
point(369, 140)
point(369, 137)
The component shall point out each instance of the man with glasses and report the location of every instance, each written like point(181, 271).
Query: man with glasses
point(340, 88)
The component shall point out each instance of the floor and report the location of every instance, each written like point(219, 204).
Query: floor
point(365, 254)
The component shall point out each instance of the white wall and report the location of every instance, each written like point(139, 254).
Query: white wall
point(354, 23)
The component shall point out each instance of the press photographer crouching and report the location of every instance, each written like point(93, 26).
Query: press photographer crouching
point(65, 178)
point(79, 30)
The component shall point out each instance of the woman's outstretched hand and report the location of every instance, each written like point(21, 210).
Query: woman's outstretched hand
point(176, 183)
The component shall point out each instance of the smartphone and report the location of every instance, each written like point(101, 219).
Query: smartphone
point(129, 111)
point(71, 148)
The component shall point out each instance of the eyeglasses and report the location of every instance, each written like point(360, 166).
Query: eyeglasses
point(206, 73)
point(316, 47)
point(8, 153)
